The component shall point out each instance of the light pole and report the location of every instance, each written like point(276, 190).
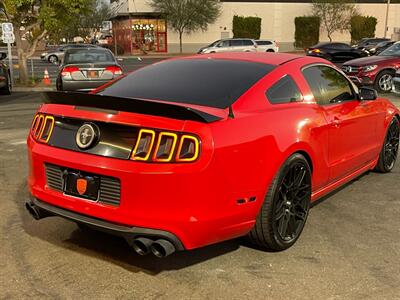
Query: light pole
point(387, 17)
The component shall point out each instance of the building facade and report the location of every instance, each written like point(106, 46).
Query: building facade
point(139, 29)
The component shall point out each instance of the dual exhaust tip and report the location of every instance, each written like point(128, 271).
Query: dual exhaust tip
point(160, 248)
point(142, 246)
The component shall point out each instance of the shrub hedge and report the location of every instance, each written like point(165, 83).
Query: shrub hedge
point(246, 27)
point(362, 27)
point(306, 31)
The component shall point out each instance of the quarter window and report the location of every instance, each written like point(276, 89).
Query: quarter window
point(284, 91)
point(328, 85)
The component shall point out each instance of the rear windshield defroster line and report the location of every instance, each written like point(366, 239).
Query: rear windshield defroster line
point(208, 82)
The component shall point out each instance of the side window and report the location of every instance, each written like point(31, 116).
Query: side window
point(223, 44)
point(342, 46)
point(328, 85)
point(236, 43)
point(284, 91)
point(247, 43)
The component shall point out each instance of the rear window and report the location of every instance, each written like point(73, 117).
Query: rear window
point(74, 56)
point(262, 43)
point(208, 82)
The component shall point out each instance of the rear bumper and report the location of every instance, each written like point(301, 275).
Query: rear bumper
point(82, 85)
point(127, 232)
point(188, 200)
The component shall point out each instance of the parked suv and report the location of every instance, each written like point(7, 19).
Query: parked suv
point(377, 70)
point(267, 46)
point(230, 45)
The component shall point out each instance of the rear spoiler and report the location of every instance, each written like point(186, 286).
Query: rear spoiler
point(129, 105)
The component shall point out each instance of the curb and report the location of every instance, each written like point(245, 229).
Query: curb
point(33, 89)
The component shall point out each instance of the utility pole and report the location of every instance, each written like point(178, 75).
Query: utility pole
point(387, 17)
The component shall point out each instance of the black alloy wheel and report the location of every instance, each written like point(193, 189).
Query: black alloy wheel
point(285, 209)
point(390, 149)
point(292, 202)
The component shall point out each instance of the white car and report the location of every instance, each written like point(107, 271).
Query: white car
point(230, 45)
point(267, 46)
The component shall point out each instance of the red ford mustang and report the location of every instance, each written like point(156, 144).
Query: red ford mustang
point(193, 151)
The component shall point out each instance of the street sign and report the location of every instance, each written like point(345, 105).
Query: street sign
point(8, 37)
point(7, 27)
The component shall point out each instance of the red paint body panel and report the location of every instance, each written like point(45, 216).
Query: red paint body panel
point(239, 158)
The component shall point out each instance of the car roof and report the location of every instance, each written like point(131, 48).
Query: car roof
point(258, 57)
point(232, 39)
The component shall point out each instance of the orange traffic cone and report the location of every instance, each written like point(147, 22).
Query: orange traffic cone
point(46, 79)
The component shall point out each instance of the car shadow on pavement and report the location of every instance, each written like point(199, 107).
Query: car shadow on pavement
point(337, 190)
point(66, 234)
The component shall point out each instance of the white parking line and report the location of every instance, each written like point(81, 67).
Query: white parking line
point(18, 142)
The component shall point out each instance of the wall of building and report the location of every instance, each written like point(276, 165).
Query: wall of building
point(277, 22)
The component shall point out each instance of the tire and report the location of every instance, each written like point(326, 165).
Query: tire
point(53, 59)
point(390, 149)
point(383, 81)
point(59, 86)
point(289, 201)
point(270, 50)
point(8, 88)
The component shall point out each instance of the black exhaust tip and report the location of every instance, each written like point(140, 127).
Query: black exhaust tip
point(34, 212)
point(142, 245)
point(162, 248)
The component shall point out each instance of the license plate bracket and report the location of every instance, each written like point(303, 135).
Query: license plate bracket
point(81, 185)
point(93, 74)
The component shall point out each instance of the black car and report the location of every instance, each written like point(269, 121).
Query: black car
point(369, 43)
point(5, 78)
point(335, 51)
point(84, 69)
point(380, 47)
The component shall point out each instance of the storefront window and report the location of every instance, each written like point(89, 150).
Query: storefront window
point(148, 35)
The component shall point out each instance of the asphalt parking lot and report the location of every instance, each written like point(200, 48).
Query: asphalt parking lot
point(350, 248)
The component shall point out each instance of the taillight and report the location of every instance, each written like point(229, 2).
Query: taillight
point(276, 44)
point(165, 146)
point(68, 70)
point(115, 70)
point(143, 145)
point(188, 149)
point(42, 128)
point(152, 146)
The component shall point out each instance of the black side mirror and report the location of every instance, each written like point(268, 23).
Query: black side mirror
point(3, 55)
point(366, 93)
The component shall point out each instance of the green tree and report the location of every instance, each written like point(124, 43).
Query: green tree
point(187, 15)
point(83, 24)
point(335, 15)
point(33, 20)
